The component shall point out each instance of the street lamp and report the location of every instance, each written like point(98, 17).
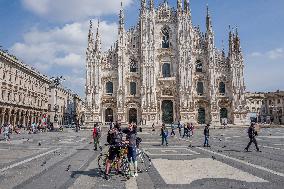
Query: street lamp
point(56, 81)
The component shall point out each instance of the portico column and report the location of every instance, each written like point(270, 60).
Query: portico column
point(2, 118)
point(24, 119)
point(9, 116)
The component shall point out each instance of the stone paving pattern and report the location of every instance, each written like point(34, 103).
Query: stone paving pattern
point(67, 160)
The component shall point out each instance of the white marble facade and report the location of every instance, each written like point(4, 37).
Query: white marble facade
point(164, 69)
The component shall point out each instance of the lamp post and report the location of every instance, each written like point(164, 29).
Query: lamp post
point(56, 81)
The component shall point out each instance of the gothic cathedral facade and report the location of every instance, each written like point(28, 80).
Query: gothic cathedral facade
point(165, 70)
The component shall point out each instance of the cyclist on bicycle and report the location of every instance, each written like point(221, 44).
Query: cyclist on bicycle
point(131, 133)
point(114, 139)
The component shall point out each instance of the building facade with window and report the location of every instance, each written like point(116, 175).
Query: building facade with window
point(164, 69)
point(274, 107)
point(62, 105)
point(23, 92)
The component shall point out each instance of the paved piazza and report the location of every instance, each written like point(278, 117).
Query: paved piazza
point(67, 160)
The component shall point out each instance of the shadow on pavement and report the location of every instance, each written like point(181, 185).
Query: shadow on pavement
point(91, 173)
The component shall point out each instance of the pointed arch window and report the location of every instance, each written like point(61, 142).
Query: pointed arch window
point(166, 38)
point(200, 88)
point(133, 65)
point(199, 66)
point(133, 88)
point(222, 88)
point(166, 69)
point(109, 87)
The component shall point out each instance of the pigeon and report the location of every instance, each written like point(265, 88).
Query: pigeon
point(39, 144)
point(224, 146)
point(213, 157)
point(28, 139)
point(43, 163)
point(68, 168)
point(220, 151)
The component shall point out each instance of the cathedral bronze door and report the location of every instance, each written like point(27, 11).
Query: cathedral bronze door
point(109, 115)
point(223, 113)
point(201, 116)
point(168, 111)
point(132, 115)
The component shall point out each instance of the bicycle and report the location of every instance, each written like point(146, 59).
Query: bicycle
point(124, 164)
point(143, 160)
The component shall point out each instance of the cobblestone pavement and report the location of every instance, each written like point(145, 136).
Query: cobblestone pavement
point(67, 160)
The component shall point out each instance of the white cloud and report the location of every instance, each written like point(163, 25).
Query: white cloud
point(73, 10)
point(61, 46)
point(264, 71)
point(61, 50)
point(274, 54)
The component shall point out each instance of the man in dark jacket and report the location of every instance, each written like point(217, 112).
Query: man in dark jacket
point(252, 133)
point(206, 136)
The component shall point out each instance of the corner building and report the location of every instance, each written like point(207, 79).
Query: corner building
point(164, 69)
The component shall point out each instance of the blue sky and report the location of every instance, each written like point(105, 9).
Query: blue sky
point(51, 35)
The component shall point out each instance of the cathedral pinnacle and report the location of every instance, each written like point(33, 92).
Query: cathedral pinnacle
point(98, 39)
point(179, 5)
point(151, 4)
point(121, 18)
point(208, 20)
point(186, 6)
point(90, 37)
point(143, 6)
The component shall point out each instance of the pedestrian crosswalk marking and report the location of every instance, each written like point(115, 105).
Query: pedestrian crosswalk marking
point(244, 162)
point(164, 151)
point(192, 170)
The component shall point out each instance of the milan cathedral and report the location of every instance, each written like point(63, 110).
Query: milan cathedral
point(164, 69)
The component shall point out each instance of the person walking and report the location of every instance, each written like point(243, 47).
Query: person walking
point(179, 128)
point(206, 136)
point(164, 134)
point(153, 127)
point(191, 128)
point(96, 136)
point(252, 133)
point(6, 132)
point(185, 130)
point(173, 130)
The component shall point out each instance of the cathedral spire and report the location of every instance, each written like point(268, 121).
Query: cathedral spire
point(98, 39)
point(143, 6)
point(121, 18)
point(231, 41)
point(179, 5)
point(208, 20)
point(186, 7)
point(152, 5)
point(91, 38)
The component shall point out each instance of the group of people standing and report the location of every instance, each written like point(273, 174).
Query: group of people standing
point(116, 143)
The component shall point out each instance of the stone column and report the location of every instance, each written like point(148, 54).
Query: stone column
point(9, 116)
point(2, 118)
